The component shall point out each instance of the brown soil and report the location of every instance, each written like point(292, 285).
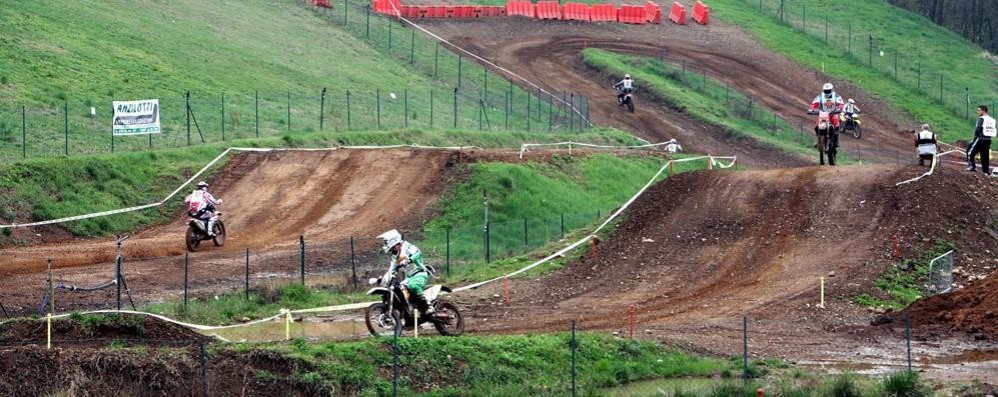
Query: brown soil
point(973, 309)
point(124, 329)
point(701, 250)
point(547, 53)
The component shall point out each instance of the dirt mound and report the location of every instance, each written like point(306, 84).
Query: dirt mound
point(973, 309)
point(36, 371)
point(98, 330)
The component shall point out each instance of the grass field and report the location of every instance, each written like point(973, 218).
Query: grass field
point(49, 188)
point(925, 52)
point(253, 68)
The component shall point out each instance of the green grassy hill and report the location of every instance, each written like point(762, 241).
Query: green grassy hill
point(924, 52)
point(269, 59)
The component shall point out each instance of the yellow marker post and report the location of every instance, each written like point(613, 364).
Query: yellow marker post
point(415, 324)
point(710, 162)
point(48, 343)
point(822, 287)
point(287, 326)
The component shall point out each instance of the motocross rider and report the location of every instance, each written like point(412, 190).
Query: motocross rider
point(820, 103)
point(850, 108)
point(624, 87)
point(201, 205)
point(409, 259)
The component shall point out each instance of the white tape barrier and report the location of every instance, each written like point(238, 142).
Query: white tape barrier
point(398, 14)
point(525, 147)
point(714, 161)
point(208, 166)
point(932, 168)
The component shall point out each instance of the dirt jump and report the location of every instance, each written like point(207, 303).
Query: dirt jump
point(700, 250)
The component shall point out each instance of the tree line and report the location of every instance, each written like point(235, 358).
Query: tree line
point(973, 19)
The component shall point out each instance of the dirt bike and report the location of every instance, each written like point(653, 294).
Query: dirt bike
point(852, 123)
point(197, 231)
point(625, 98)
point(394, 313)
point(828, 137)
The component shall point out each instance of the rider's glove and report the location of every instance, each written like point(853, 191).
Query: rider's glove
point(373, 280)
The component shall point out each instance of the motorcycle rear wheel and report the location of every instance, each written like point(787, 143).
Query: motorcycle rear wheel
point(192, 239)
point(374, 312)
point(453, 325)
point(219, 238)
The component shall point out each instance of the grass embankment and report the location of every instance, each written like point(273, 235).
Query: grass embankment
point(904, 283)
point(280, 54)
point(50, 188)
point(925, 50)
point(704, 99)
point(489, 365)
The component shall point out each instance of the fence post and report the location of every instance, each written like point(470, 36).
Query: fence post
point(246, 286)
point(345, 10)
point(562, 225)
point(377, 96)
point(907, 338)
point(447, 244)
point(289, 110)
point(223, 117)
point(895, 64)
point(967, 91)
point(849, 48)
point(186, 263)
point(573, 345)
point(436, 59)
point(389, 35)
point(187, 107)
point(431, 107)
point(353, 263)
point(65, 115)
point(412, 46)
point(256, 107)
point(459, 58)
point(505, 109)
point(117, 278)
point(24, 132)
point(455, 107)
point(203, 358)
point(871, 50)
point(745, 349)
point(301, 243)
point(368, 26)
point(322, 109)
point(481, 111)
point(525, 241)
point(348, 111)
point(485, 77)
point(405, 108)
point(941, 87)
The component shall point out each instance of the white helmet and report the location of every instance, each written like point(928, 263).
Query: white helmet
point(627, 76)
point(390, 239)
point(827, 88)
point(202, 185)
point(852, 101)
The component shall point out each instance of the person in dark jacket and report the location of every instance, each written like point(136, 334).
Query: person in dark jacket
point(983, 133)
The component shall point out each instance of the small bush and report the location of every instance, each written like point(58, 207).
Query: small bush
point(845, 386)
point(904, 384)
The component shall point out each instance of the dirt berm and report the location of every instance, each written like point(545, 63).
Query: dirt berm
point(700, 250)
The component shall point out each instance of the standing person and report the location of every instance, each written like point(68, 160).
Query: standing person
point(926, 144)
point(983, 132)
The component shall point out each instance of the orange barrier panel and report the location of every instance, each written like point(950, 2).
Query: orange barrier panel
point(521, 8)
point(701, 13)
point(322, 3)
point(437, 12)
point(603, 13)
point(631, 14)
point(577, 12)
point(653, 13)
point(548, 10)
point(678, 13)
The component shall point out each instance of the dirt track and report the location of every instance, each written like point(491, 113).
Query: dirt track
point(548, 53)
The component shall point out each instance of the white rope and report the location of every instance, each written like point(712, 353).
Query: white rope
point(524, 147)
point(398, 14)
point(208, 166)
point(932, 168)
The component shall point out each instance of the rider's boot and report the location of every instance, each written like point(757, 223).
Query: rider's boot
point(211, 227)
point(423, 306)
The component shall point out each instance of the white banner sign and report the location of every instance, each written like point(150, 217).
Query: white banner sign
point(136, 117)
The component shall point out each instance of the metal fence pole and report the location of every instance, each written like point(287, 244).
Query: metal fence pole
point(24, 132)
point(322, 109)
point(256, 107)
point(377, 97)
point(353, 263)
point(289, 110)
point(405, 108)
point(246, 286)
point(436, 59)
point(223, 117)
point(459, 59)
point(301, 243)
point(907, 338)
point(431, 107)
point(187, 108)
point(525, 242)
point(455, 107)
point(412, 46)
point(745, 349)
point(562, 225)
point(65, 115)
point(447, 248)
point(186, 263)
point(117, 278)
point(368, 26)
point(349, 123)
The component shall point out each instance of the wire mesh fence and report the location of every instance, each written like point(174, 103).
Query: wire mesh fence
point(940, 274)
point(860, 42)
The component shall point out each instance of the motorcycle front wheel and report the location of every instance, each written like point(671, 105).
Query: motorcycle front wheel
point(192, 239)
point(630, 105)
point(381, 323)
point(219, 238)
point(448, 320)
point(857, 131)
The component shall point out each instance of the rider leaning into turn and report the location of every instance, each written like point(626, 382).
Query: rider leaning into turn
point(201, 205)
point(409, 259)
point(624, 87)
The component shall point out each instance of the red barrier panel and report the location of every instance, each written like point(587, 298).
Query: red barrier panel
point(678, 13)
point(603, 13)
point(653, 13)
point(548, 10)
point(437, 12)
point(322, 3)
point(701, 13)
point(577, 12)
point(631, 14)
point(521, 8)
